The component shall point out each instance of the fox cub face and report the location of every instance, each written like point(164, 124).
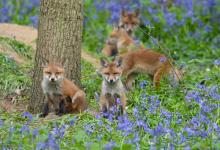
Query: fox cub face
point(111, 72)
point(129, 21)
point(53, 73)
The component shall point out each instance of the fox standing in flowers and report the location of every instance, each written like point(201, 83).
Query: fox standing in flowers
point(112, 87)
point(61, 93)
point(148, 62)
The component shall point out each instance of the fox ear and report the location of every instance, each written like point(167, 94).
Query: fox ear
point(103, 62)
point(118, 62)
point(137, 12)
point(123, 12)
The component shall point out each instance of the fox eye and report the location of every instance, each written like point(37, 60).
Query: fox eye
point(115, 73)
point(57, 72)
point(48, 72)
point(106, 74)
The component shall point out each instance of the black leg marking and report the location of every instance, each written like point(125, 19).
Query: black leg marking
point(45, 110)
point(62, 109)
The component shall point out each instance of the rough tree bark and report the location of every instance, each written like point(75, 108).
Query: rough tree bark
point(59, 38)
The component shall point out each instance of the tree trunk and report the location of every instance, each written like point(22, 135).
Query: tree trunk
point(59, 39)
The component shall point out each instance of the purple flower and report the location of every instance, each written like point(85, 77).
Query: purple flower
point(136, 138)
point(143, 84)
point(34, 20)
point(126, 126)
point(110, 145)
point(40, 146)
point(208, 28)
point(35, 132)
point(163, 59)
point(182, 139)
point(11, 129)
point(1, 123)
point(159, 130)
point(72, 121)
point(24, 129)
point(187, 147)
point(89, 128)
point(51, 144)
point(88, 145)
point(195, 121)
point(170, 19)
point(189, 5)
point(27, 115)
point(217, 62)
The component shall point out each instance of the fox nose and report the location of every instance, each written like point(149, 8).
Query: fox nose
point(52, 79)
point(111, 81)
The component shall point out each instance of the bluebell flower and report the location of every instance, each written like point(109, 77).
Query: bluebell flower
point(52, 144)
point(217, 62)
point(159, 130)
point(40, 146)
point(170, 19)
point(89, 128)
point(195, 121)
point(99, 137)
point(27, 115)
point(110, 145)
point(154, 1)
point(1, 123)
point(35, 132)
point(187, 147)
point(182, 139)
point(72, 121)
point(216, 127)
point(188, 5)
point(143, 84)
point(11, 129)
point(189, 131)
point(136, 138)
point(34, 20)
point(25, 129)
point(208, 28)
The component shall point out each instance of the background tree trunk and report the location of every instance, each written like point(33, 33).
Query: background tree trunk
point(59, 39)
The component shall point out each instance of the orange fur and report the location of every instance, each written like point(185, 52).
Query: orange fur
point(129, 21)
point(66, 90)
point(119, 42)
point(112, 87)
point(147, 62)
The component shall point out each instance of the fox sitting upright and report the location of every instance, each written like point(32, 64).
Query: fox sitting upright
point(61, 93)
point(112, 87)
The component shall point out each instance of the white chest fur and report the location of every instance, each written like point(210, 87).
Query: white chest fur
point(116, 88)
point(51, 89)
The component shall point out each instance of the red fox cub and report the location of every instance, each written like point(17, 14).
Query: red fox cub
point(148, 62)
point(119, 42)
point(129, 21)
point(61, 93)
point(112, 87)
